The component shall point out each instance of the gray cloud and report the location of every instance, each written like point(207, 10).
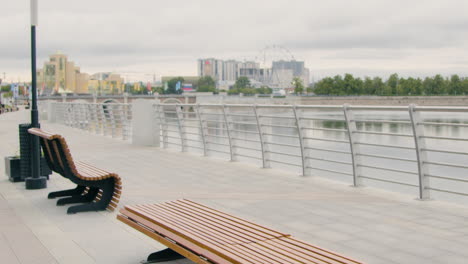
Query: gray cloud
point(379, 36)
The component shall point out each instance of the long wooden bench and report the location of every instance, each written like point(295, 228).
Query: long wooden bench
point(205, 235)
point(96, 188)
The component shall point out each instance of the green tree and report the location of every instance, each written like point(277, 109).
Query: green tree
point(298, 86)
point(392, 82)
point(455, 86)
point(206, 84)
point(378, 85)
point(171, 86)
point(439, 85)
point(242, 82)
point(264, 90)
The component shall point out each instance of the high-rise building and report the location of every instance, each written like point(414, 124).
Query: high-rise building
point(210, 67)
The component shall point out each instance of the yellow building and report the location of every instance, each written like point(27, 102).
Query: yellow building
point(60, 75)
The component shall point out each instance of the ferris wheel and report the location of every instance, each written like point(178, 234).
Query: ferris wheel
point(272, 53)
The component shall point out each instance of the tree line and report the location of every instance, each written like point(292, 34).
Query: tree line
point(394, 85)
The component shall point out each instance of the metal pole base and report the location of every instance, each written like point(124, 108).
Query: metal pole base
point(36, 183)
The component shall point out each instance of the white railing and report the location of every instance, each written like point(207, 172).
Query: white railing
point(413, 149)
point(106, 119)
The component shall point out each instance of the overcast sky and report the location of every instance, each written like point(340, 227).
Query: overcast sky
point(362, 37)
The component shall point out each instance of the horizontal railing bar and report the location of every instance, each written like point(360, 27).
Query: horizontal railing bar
point(385, 157)
point(386, 169)
point(219, 151)
point(216, 114)
point(191, 133)
point(191, 126)
point(384, 145)
point(216, 136)
point(214, 121)
point(248, 140)
point(441, 109)
point(169, 130)
point(328, 150)
point(445, 138)
point(446, 191)
point(242, 123)
point(282, 144)
point(383, 133)
point(173, 143)
point(168, 111)
point(178, 138)
point(248, 156)
point(326, 129)
point(197, 147)
point(244, 131)
point(276, 117)
point(284, 162)
point(329, 160)
point(242, 147)
point(444, 151)
point(443, 124)
point(282, 153)
point(284, 126)
point(445, 178)
point(388, 181)
point(241, 115)
point(326, 139)
point(382, 121)
point(171, 118)
point(216, 143)
point(216, 128)
point(321, 119)
point(445, 164)
point(193, 140)
point(280, 135)
point(328, 170)
point(378, 108)
point(170, 124)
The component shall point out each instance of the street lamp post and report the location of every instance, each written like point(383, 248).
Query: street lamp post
point(35, 181)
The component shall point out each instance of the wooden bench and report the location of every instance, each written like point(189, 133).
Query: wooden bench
point(205, 235)
point(96, 188)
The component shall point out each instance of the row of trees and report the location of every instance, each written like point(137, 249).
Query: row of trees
point(244, 86)
point(394, 85)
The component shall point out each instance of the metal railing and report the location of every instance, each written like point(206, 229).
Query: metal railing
point(402, 147)
point(106, 119)
point(416, 150)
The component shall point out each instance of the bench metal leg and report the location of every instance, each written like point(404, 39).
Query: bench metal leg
point(87, 198)
point(163, 255)
point(106, 197)
point(72, 192)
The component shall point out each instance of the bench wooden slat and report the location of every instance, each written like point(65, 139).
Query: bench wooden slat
point(199, 246)
point(298, 244)
point(244, 253)
point(209, 230)
point(297, 253)
point(167, 219)
point(263, 229)
point(224, 225)
point(161, 239)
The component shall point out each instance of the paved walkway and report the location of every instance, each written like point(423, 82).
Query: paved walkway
point(367, 224)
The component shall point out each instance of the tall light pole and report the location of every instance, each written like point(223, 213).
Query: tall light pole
point(35, 181)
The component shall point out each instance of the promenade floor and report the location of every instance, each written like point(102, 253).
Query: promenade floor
point(363, 223)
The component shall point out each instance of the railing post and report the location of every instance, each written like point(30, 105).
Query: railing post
point(112, 120)
point(228, 127)
point(202, 129)
point(180, 122)
point(419, 142)
point(162, 121)
point(263, 144)
point(301, 141)
point(354, 147)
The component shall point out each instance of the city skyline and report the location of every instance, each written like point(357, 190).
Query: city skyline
point(365, 38)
